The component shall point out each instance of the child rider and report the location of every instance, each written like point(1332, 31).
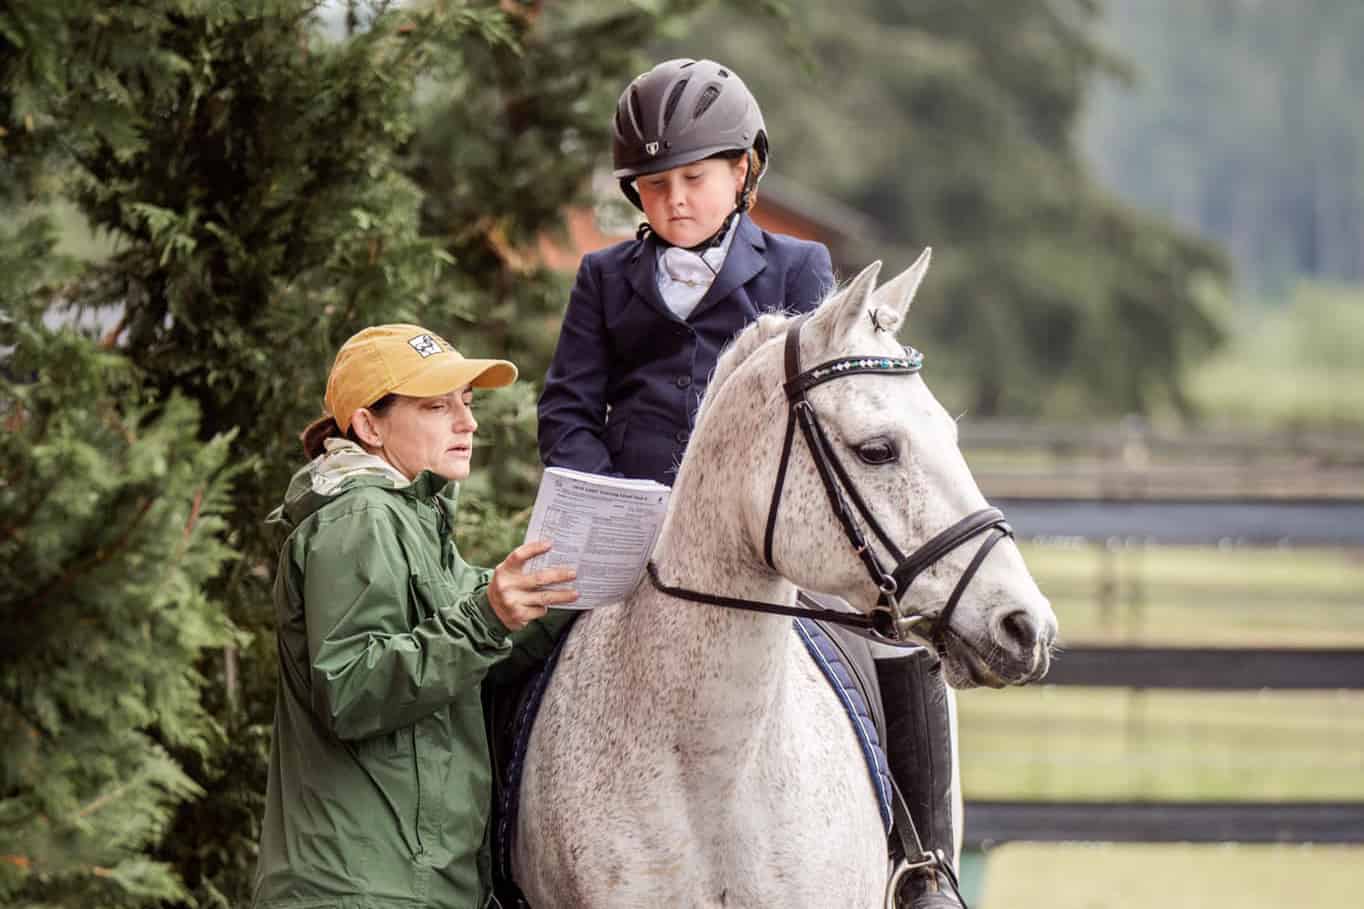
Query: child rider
point(647, 320)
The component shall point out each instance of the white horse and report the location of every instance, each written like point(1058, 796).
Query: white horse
point(691, 755)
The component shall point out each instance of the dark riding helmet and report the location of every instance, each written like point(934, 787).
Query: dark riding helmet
point(683, 111)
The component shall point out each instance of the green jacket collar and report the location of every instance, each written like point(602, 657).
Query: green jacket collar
point(345, 466)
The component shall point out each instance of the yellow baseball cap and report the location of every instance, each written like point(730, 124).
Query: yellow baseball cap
point(404, 360)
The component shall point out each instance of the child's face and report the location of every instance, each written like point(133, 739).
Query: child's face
point(687, 204)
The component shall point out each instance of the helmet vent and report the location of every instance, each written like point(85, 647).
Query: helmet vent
point(635, 110)
point(724, 73)
point(707, 98)
point(673, 98)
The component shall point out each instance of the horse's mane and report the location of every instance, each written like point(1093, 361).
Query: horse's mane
point(758, 333)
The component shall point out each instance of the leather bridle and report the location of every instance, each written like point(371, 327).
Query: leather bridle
point(888, 622)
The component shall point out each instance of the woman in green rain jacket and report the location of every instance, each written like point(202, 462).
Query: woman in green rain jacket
point(379, 781)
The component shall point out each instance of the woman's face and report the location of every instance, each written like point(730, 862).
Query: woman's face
point(687, 204)
point(435, 434)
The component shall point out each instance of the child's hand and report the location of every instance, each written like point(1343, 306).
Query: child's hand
point(519, 598)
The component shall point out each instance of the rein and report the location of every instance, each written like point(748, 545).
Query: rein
point(888, 622)
point(851, 619)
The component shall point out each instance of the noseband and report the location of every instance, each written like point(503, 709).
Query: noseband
point(888, 621)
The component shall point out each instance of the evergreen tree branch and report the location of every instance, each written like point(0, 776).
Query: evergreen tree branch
point(101, 555)
point(12, 530)
point(193, 519)
point(105, 798)
point(34, 724)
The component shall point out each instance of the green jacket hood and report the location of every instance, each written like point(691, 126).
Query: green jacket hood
point(345, 466)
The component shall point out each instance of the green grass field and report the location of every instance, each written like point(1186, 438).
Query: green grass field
point(1108, 744)
point(1104, 876)
point(1204, 596)
point(1294, 364)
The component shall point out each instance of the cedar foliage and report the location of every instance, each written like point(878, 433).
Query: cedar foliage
point(274, 177)
point(111, 520)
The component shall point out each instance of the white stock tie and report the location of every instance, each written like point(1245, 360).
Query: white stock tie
point(685, 276)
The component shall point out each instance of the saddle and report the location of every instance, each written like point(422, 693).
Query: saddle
point(843, 656)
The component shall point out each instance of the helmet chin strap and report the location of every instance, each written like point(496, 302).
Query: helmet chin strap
point(710, 242)
point(756, 166)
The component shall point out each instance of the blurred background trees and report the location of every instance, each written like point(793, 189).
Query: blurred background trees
point(953, 123)
point(1242, 122)
point(244, 184)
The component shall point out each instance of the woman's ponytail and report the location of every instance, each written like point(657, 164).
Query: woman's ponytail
point(314, 438)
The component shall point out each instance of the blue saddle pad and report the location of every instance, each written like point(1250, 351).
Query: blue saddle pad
point(845, 684)
point(826, 653)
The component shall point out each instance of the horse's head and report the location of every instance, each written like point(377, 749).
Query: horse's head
point(888, 442)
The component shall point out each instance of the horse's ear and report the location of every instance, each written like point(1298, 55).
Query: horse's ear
point(861, 287)
point(847, 308)
point(896, 294)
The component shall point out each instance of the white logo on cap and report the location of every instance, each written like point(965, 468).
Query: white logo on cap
point(651, 147)
point(426, 345)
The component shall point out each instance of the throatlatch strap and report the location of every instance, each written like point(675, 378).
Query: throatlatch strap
point(791, 355)
point(792, 348)
point(776, 490)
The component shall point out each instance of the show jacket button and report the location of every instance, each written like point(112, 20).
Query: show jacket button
point(682, 436)
point(683, 381)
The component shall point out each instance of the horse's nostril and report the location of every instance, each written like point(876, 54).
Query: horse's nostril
point(1019, 629)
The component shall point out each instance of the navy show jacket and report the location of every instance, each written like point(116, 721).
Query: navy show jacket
point(627, 376)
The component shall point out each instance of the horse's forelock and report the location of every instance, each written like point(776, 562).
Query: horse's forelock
point(758, 333)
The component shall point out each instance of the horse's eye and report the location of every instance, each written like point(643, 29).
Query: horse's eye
point(877, 451)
